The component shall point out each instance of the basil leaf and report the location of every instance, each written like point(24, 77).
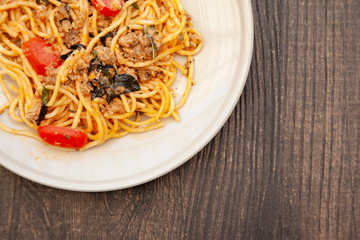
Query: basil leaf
point(66, 55)
point(126, 81)
point(45, 96)
point(110, 96)
point(43, 111)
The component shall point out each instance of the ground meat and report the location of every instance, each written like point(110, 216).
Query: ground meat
point(124, 69)
point(82, 64)
point(85, 88)
point(72, 38)
point(50, 77)
point(105, 55)
point(80, 70)
point(136, 46)
point(42, 13)
point(115, 107)
point(79, 22)
point(194, 41)
point(146, 74)
point(103, 21)
point(75, 75)
point(68, 27)
point(188, 17)
point(33, 113)
point(70, 83)
point(63, 19)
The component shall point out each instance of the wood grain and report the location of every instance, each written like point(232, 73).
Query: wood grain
point(286, 165)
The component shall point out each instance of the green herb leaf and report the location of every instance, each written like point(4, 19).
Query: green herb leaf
point(144, 30)
point(106, 73)
point(126, 81)
point(66, 55)
point(153, 46)
point(43, 112)
point(110, 96)
point(44, 108)
point(152, 42)
point(135, 5)
point(94, 53)
point(45, 96)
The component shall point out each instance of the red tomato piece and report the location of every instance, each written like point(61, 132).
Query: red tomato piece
point(108, 7)
point(63, 136)
point(41, 55)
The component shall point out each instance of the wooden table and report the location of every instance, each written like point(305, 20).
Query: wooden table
point(286, 165)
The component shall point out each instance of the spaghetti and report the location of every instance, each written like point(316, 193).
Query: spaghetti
point(98, 68)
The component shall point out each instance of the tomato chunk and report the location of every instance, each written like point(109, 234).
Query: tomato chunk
point(41, 55)
point(108, 7)
point(63, 136)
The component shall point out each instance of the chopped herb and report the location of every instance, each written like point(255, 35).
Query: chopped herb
point(110, 96)
point(45, 95)
point(109, 82)
point(135, 5)
point(92, 65)
point(43, 112)
point(97, 92)
point(67, 8)
point(66, 55)
point(103, 38)
point(126, 81)
point(117, 85)
point(44, 101)
point(94, 53)
point(155, 49)
point(106, 73)
point(77, 46)
point(153, 46)
point(73, 47)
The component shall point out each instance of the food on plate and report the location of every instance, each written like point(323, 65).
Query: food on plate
point(90, 70)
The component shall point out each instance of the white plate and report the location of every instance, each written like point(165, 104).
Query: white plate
point(220, 72)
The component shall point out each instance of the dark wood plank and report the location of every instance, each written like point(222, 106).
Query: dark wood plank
point(286, 165)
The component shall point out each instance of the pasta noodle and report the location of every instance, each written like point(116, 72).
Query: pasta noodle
point(114, 74)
